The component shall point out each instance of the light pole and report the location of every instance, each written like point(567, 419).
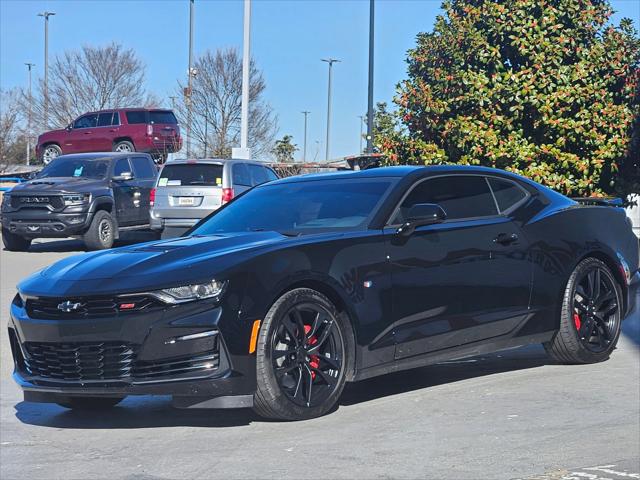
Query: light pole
point(246, 67)
point(330, 61)
point(370, 99)
point(29, 114)
point(46, 16)
point(189, 79)
point(304, 151)
point(361, 117)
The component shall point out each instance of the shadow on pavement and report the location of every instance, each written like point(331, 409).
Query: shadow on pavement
point(152, 412)
point(74, 245)
point(631, 326)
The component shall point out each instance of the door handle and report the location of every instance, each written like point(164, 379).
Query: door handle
point(506, 238)
point(87, 133)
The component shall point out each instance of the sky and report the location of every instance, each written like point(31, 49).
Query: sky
point(288, 40)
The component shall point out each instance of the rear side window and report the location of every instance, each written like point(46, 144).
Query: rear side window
point(191, 174)
point(104, 119)
point(122, 165)
point(459, 196)
point(258, 174)
point(86, 121)
point(159, 116)
point(136, 117)
point(241, 175)
point(271, 175)
point(143, 168)
point(507, 193)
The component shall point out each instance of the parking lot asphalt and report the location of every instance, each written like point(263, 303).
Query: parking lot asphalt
point(509, 415)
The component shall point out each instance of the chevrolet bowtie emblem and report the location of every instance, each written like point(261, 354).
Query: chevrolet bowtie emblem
point(69, 306)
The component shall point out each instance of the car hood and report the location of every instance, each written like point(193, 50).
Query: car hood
point(147, 266)
point(52, 134)
point(58, 184)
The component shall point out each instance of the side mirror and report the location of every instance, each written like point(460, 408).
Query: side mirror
point(419, 215)
point(69, 127)
point(123, 177)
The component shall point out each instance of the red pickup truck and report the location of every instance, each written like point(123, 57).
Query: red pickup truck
point(153, 131)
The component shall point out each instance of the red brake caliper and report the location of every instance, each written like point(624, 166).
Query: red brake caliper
point(576, 320)
point(314, 359)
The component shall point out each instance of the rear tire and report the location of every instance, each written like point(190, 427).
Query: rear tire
point(101, 233)
point(302, 357)
point(15, 243)
point(90, 403)
point(124, 146)
point(590, 317)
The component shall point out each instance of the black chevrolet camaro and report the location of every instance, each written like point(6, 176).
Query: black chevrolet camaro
point(278, 298)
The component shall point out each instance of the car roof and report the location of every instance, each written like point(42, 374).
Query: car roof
point(100, 155)
point(213, 161)
point(136, 109)
point(395, 171)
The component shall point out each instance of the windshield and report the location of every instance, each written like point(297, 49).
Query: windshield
point(298, 208)
point(75, 167)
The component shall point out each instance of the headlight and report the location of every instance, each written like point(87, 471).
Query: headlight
point(6, 199)
point(189, 293)
point(77, 198)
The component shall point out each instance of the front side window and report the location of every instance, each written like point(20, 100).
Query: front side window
point(86, 121)
point(143, 168)
point(460, 197)
point(301, 207)
point(122, 166)
point(116, 119)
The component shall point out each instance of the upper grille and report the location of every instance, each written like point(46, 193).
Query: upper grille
point(38, 201)
point(88, 307)
point(86, 361)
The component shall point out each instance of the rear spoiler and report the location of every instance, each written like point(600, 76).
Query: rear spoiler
point(602, 202)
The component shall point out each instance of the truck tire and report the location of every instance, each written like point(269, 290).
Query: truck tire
point(49, 153)
point(15, 243)
point(124, 146)
point(101, 233)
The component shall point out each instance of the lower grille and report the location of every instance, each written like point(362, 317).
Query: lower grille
point(109, 361)
point(86, 361)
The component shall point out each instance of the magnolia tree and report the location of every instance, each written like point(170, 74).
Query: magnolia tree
point(543, 88)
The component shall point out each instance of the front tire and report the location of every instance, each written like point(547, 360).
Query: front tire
point(15, 243)
point(50, 153)
point(90, 403)
point(101, 233)
point(590, 317)
point(303, 354)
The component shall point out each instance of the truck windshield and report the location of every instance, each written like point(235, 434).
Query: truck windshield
point(75, 167)
point(302, 207)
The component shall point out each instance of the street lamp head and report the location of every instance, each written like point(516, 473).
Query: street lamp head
point(46, 15)
point(330, 60)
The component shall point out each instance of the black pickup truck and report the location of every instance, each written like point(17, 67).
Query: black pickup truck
point(90, 195)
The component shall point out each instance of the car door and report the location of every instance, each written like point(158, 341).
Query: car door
point(81, 138)
point(124, 193)
point(144, 172)
point(103, 133)
point(460, 281)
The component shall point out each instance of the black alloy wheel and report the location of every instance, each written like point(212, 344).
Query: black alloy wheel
point(306, 354)
point(303, 354)
point(591, 315)
point(596, 310)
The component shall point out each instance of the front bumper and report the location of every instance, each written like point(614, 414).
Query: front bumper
point(39, 223)
point(177, 351)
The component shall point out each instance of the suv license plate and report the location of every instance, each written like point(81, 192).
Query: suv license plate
point(185, 201)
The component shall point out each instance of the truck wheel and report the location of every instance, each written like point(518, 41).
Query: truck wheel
point(90, 403)
point(49, 153)
point(101, 232)
point(15, 243)
point(124, 147)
